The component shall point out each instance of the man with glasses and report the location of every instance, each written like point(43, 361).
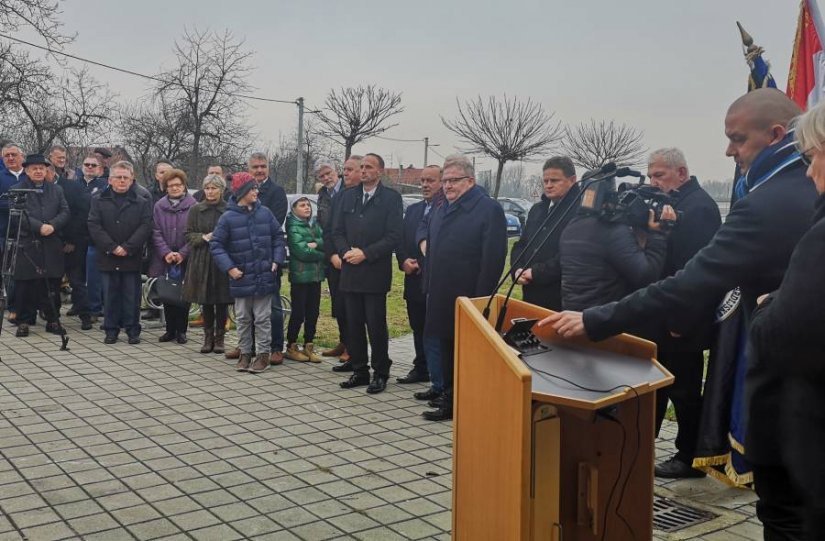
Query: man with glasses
point(465, 243)
point(366, 229)
point(751, 251)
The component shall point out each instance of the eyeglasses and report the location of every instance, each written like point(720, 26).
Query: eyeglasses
point(89, 165)
point(453, 180)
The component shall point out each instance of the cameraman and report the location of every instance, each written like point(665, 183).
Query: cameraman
point(604, 259)
point(40, 250)
point(683, 356)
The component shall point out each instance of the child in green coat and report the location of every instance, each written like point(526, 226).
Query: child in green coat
point(306, 272)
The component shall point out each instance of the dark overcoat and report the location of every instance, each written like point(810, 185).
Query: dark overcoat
point(39, 256)
point(274, 198)
point(112, 225)
point(751, 250)
point(408, 249)
point(375, 229)
point(545, 288)
point(466, 249)
point(251, 240)
point(204, 282)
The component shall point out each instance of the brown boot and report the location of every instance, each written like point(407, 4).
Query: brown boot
point(208, 341)
point(337, 351)
point(218, 346)
point(344, 357)
point(295, 354)
point(261, 363)
point(243, 362)
point(310, 354)
point(233, 354)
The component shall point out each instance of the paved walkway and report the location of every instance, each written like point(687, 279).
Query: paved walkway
point(156, 441)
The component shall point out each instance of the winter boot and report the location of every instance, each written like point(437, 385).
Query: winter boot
point(310, 354)
point(208, 341)
point(295, 354)
point(219, 346)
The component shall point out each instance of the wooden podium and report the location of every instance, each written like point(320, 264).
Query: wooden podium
point(534, 456)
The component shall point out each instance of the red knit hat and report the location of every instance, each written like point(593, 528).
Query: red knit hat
point(242, 183)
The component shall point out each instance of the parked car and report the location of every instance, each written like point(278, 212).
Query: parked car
point(513, 225)
point(517, 207)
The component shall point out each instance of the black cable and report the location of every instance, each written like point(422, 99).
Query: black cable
point(611, 418)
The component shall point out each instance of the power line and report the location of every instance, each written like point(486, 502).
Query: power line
point(400, 140)
point(129, 72)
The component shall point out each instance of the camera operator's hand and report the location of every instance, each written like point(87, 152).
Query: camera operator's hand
point(120, 251)
point(46, 230)
point(668, 215)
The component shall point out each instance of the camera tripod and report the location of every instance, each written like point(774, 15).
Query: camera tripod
point(12, 248)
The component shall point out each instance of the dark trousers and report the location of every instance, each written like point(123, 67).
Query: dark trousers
point(76, 273)
point(448, 369)
point(177, 318)
point(94, 281)
point(306, 305)
point(121, 302)
point(38, 294)
point(367, 313)
point(686, 395)
point(780, 507)
point(339, 311)
point(214, 316)
point(277, 316)
point(415, 312)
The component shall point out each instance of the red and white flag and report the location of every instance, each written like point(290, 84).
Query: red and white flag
point(806, 79)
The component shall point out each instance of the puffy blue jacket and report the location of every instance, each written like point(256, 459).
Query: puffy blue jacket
point(251, 241)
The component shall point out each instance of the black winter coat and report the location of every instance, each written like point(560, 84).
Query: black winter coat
point(545, 288)
point(602, 261)
point(408, 249)
point(39, 256)
point(375, 229)
point(112, 225)
point(204, 283)
point(273, 197)
point(466, 250)
point(79, 201)
point(751, 250)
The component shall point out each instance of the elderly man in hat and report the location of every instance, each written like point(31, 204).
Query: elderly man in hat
point(248, 244)
point(39, 258)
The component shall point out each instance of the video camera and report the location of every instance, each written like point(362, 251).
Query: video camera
point(627, 203)
point(18, 196)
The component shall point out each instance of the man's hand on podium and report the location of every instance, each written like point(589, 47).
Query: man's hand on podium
point(566, 324)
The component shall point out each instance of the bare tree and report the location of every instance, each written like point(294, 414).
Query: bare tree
point(42, 108)
point(207, 88)
point(505, 129)
point(42, 16)
point(597, 143)
point(356, 114)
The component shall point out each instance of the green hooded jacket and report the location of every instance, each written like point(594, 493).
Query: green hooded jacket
point(306, 265)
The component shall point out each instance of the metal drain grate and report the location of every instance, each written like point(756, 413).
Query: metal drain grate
point(670, 516)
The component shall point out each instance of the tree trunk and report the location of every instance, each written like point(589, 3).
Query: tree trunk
point(193, 163)
point(498, 178)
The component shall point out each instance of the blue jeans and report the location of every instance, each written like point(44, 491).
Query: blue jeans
point(94, 287)
point(122, 302)
point(432, 351)
point(277, 318)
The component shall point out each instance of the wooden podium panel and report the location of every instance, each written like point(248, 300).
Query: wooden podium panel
point(538, 458)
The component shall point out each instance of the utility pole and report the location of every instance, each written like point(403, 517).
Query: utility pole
point(299, 182)
point(426, 146)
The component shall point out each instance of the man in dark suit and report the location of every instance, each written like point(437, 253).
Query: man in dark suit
point(366, 229)
point(683, 356)
point(410, 261)
point(541, 280)
point(751, 250)
point(466, 244)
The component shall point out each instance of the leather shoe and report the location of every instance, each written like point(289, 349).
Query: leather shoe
point(111, 338)
point(344, 367)
point(337, 351)
point(134, 340)
point(429, 394)
point(440, 414)
point(166, 337)
point(673, 468)
point(85, 323)
point(356, 380)
point(22, 331)
point(414, 376)
point(181, 338)
point(378, 384)
point(233, 353)
point(436, 402)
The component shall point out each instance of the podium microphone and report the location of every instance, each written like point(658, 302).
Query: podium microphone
point(606, 171)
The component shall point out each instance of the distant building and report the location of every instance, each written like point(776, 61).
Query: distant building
point(405, 180)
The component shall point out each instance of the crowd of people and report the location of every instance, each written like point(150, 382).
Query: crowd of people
point(230, 242)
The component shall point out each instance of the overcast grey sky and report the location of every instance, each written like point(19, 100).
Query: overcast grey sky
point(668, 68)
